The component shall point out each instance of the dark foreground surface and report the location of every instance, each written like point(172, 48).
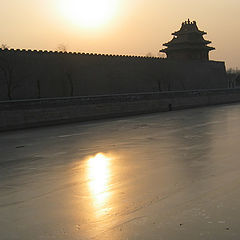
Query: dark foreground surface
point(172, 175)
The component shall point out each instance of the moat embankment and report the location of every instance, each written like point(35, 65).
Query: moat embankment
point(43, 112)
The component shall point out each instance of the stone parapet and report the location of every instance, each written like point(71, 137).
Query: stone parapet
point(42, 112)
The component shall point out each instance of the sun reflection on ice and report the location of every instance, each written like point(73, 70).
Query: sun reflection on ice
point(99, 173)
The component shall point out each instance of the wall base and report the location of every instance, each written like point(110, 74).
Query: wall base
point(42, 112)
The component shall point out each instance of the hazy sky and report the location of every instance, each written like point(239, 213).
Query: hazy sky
point(132, 27)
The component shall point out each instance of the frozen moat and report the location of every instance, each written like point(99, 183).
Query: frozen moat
point(172, 175)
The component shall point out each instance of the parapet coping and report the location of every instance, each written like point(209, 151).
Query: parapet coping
point(116, 56)
point(32, 51)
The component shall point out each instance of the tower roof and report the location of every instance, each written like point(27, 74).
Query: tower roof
point(186, 39)
point(189, 27)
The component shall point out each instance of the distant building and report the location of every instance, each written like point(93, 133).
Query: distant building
point(188, 44)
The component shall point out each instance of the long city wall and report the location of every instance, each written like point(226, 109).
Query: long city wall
point(41, 112)
point(42, 74)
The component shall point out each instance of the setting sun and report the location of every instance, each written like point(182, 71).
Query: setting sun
point(89, 13)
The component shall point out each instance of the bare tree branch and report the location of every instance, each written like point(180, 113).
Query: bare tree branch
point(4, 46)
point(62, 48)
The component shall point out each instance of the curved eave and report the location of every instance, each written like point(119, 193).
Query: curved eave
point(206, 48)
point(178, 33)
point(212, 48)
point(164, 50)
point(176, 42)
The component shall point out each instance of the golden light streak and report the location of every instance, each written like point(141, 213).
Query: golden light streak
point(99, 173)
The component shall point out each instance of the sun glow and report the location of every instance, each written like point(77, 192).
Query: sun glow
point(89, 13)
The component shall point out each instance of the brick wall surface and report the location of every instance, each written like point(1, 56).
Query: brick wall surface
point(42, 74)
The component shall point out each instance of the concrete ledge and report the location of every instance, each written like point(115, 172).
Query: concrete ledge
point(42, 112)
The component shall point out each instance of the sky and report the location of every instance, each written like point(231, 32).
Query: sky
point(128, 27)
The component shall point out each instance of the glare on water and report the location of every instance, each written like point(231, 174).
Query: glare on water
point(99, 173)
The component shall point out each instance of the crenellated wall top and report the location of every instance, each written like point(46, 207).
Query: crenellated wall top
point(57, 53)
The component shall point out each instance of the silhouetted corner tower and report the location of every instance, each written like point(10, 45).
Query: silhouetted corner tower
point(188, 44)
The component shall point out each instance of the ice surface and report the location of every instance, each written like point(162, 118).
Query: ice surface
point(164, 176)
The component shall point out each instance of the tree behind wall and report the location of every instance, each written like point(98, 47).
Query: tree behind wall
point(7, 68)
point(4, 46)
point(62, 48)
point(233, 76)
